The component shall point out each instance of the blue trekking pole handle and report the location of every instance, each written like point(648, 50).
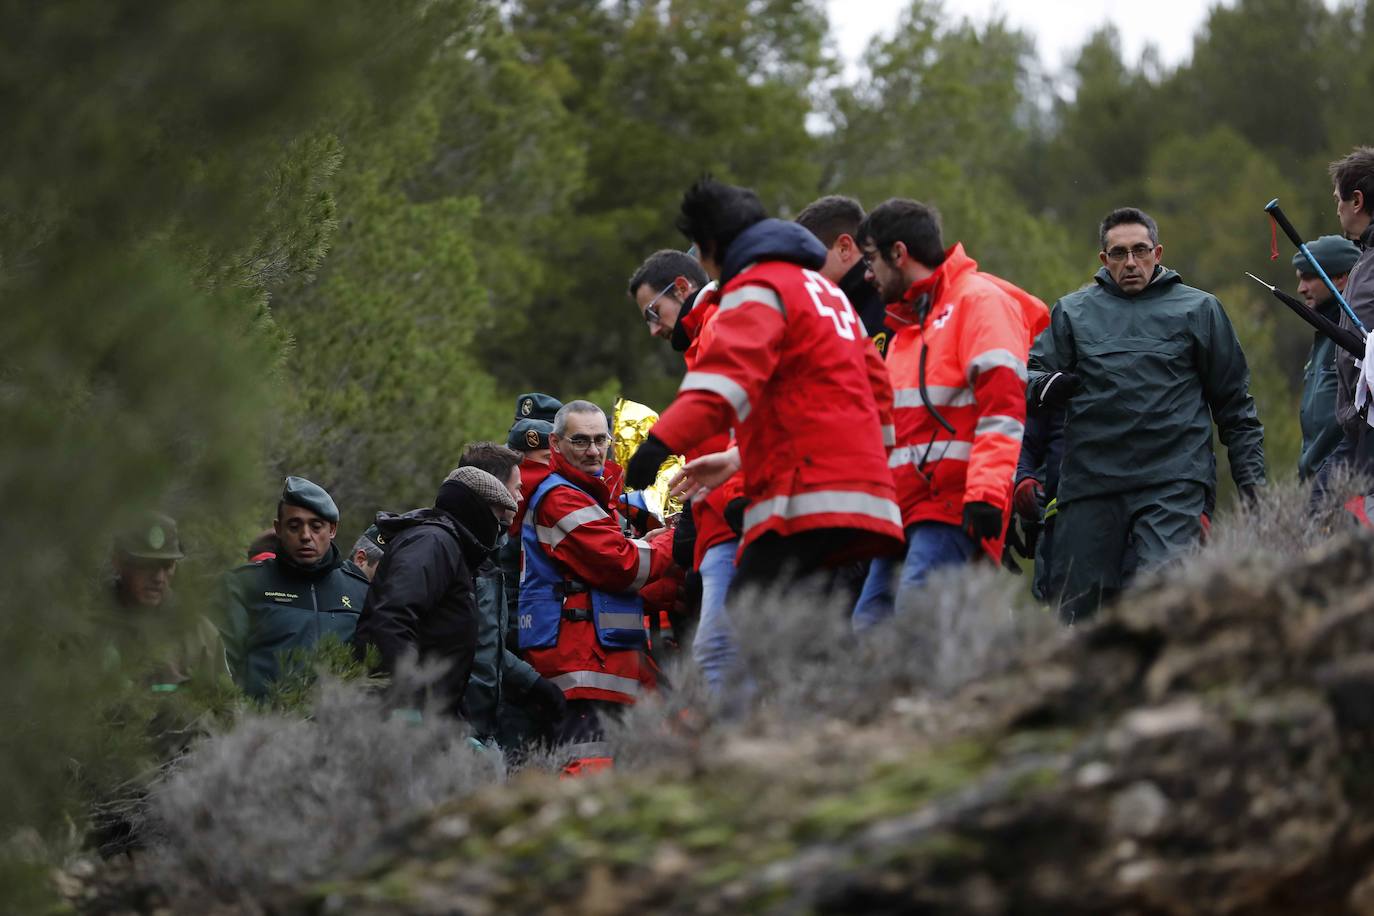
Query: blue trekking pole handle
point(1272, 208)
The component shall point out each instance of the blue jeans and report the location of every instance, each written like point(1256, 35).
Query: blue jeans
point(715, 648)
point(929, 546)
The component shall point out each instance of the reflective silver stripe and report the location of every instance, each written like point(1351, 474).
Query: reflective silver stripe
point(940, 396)
point(1007, 426)
point(722, 385)
point(889, 435)
point(554, 536)
point(646, 560)
point(822, 502)
point(760, 294)
point(996, 359)
point(598, 679)
point(622, 621)
point(938, 451)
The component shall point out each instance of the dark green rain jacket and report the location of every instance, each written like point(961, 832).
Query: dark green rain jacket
point(1157, 369)
point(275, 606)
point(1321, 432)
point(498, 674)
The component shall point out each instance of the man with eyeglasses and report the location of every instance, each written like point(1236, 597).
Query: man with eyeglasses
point(686, 316)
point(581, 620)
point(791, 371)
point(1143, 366)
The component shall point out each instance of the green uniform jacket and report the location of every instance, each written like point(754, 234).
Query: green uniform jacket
point(1157, 368)
point(275, 606)
point(1321, 432)
point(496, 670)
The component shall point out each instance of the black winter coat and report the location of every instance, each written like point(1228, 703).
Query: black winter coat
point(423, 597)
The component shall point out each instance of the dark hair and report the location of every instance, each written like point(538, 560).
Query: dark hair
point(496, 460)
point(914, 224)
point(713, 215)
point(1355, 172)
point(831, 217)
point(663, 267)
point(266, 542)
point(1127, 216)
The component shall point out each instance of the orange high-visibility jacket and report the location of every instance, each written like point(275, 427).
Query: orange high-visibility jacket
point(976, 332)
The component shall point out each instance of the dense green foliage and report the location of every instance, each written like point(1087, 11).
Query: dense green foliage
point(240, 240)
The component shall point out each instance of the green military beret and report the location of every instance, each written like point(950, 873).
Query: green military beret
point(1334, 253)
point(153, 536)
point(536, 406)
point(297, 491)
point(528, 435)
point(374, 534)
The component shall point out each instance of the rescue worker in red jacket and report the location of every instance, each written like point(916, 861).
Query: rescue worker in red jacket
point(581, 620)
point(679, 302)
point(958, 365)
point(792, 371)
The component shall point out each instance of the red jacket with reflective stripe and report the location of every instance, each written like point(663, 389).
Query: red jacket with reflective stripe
point(790, 369)
point(580, 532)
point(532, 474)
point(708, 513)
point(977, 333)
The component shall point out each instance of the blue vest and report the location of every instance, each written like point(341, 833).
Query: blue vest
point(618, 616)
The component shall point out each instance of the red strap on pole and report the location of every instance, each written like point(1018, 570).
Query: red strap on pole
point(1273, 239)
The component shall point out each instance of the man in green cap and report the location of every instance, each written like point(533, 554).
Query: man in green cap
point(293, 600)
point(145, 561)
point(367, 551)
point(1143, 366)
point(1321, 431)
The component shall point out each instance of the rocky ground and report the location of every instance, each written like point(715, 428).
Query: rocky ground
point(1207, 747)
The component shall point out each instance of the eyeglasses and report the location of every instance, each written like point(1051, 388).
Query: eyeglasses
point(869, 256)
point(582, 443)
point(651, 310)
point(1139, 252)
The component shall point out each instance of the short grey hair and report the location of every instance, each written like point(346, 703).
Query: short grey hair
point(370, 550)
point(560, 419)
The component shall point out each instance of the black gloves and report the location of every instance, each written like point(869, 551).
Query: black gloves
point(1055, 390)
point(685, 538)
point(734, 514)
point(547, 699)
point(645, 462)
point(982, 521)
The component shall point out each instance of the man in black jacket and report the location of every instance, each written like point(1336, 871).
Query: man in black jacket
point(423, 598)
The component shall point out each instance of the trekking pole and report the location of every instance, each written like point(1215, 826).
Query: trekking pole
point(1272, 208)
point(1347, 340)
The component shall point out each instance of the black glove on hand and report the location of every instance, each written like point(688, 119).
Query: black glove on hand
point(982, 521)
point(645, 462)
point(547, 699)
point(734, 514)
point(1054, 392)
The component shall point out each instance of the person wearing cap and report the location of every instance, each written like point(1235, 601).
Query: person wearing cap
point(145, 561)
point(499, 676)
point(367, 551)
point(293, 600)
point(1321, 431)
point(423, 599)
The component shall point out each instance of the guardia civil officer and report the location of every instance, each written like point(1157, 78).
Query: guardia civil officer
point(294, 599)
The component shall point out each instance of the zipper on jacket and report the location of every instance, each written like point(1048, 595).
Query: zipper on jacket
point(316, 604)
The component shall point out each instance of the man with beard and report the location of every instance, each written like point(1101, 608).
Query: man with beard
point(958, 367)
point(292, 600)
point(835, 221)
